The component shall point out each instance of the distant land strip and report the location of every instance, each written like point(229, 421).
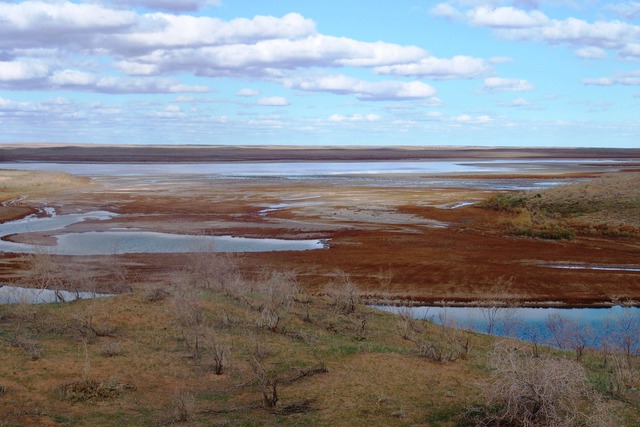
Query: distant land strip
point(87, 153)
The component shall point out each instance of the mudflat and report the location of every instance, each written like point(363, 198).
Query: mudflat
point(404, 237)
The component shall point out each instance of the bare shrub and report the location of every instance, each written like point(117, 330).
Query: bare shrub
point(624, 375)
point(186, 304)
point(536, 391)
point(624, 333)
point(84, 324)
point(344, 294)
point(119, 278)
point(208, 270)
point(444, 348)
point(31, 347)
point(384, 278)
point(275, 295)
point(268, 382)
point(183, 406)
point(219, 351)
point(568, 334)
point(43, 271)
point(157, 294)
point(268, 319)
point(111, 348)
point(89, 389)
point(443, 344)
point(22, 335)
point(408, 324)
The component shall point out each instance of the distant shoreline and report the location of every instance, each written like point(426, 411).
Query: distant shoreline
point(93, 153)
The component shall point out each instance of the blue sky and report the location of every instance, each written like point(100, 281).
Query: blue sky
point(349, 72)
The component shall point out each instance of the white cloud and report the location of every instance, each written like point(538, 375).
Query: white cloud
point(600, 81)
point(70, 77)
point(22, 69)
point(500, 84)
point(445, 10)
point(591, 52)
point(137, 68)
point(163, 30)
point(80, 80)
point(506, 17)
point(517, 102)
point(38, 23)
point(355, 118)
point(247, 92)
point(513, 23)
point(458, 67)
point(628, 10)
point(172, 5)
point(631, 78)
point(272, 57)
point(500, 59)
point(473, 120)
point(273, 101)
point(364, 90)
point(631, 50)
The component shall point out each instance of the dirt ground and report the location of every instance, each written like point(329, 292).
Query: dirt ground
point(425, 244)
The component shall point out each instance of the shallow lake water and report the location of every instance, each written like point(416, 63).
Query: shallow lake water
point(123, 241)
point(20, 295)
point(316, 169)
point(596, 326)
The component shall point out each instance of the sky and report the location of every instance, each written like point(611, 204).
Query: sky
point(349, 72)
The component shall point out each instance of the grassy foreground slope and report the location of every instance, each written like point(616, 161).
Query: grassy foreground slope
point(215, 349)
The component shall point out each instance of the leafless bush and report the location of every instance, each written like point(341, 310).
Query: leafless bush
point(275, 295)
point(384, 279)
point(111, 348)
point(84, 324)
point(268, 319)
point(157, 294)
point(343, 293)
point(186, 304)
point(568, 334)
point(624, 333)
point(408, 324)
point(268, 382)
point(89, 389)
point(208, 270)
point(361, 327)
point(444, 344)
point(536, 391)
point(624, 375)
point(442, 349)
point(43, 271)
point(218, 350)
point(260, 350)
point(29, 346)
point(183, 407)
point(119, 278)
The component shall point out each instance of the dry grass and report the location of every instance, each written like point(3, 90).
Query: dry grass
point(607, 206)
point(161, 366)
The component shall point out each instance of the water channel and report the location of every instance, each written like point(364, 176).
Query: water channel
point(558, 327)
